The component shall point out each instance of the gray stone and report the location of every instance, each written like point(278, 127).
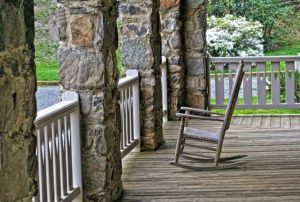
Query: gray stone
point(18, 167)
point(176, 40)
point(130, 9)
point(136, 53)
point(80, 69)
point(172, 49)
point(194, 28)
point(138, 31)
point(195, 66)
point(194, 41)
point(62, 24)
point(141, 49)
point(87, 65)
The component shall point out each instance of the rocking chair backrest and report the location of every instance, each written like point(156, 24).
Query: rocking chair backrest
point(234, 95)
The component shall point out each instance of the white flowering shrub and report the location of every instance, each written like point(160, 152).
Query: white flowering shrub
point(234, 36)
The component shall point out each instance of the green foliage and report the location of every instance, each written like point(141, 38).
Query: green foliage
point(119, 62)
point(47, 71)
point(292, 48)
point(272, 14)
point(256, 111)
point(45, 49)
point(261, 111)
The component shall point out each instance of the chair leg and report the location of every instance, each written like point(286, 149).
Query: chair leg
point(179, 145)
point(218, 154)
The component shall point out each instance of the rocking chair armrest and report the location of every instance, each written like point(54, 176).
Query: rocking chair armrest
point(199, 117)
point(200, 110)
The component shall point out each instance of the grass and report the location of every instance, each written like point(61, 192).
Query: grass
point(47, 71)
point(291, 48)
point(46, 61)
point(260, 111)
point(119, 62)
point(256, 111)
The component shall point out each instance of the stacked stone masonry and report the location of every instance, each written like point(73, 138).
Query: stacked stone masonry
point(18, 164)
point(141, 50)
point(194, 28)
point(87, 33)
point(171, 25)
point(88, 40)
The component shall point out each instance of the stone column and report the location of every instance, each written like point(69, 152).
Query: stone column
point(141, 50)
point(18, 164)
point(194, 29)
point(87, 33)
point(171, 48)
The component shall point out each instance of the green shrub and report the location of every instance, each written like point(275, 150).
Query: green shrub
point(274, 15)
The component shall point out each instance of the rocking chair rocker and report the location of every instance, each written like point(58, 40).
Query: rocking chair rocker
point(205, 136)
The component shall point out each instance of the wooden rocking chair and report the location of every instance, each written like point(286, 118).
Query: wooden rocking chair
point(205, 136)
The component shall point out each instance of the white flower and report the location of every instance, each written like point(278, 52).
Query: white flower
point(232, 36)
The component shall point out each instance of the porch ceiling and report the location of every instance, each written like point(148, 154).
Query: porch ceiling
point(272, 172)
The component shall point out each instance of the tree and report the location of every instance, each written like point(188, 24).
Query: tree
point(274, 15)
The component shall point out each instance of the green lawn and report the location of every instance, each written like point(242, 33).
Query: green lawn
point(292, 48)
point(256, 111)
point(47, 71)
point(261, 111)
point(119, 62)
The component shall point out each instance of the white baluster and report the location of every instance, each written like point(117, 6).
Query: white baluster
point(164, 86)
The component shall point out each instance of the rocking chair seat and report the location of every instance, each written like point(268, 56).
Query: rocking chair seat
point(201, 134)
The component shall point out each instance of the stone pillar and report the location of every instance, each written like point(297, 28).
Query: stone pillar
point(194, 29)
point(18, 164)
point(87, 33)
point(141, 50)
point(171, 48)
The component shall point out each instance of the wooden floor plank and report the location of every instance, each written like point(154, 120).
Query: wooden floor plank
point(295, 122)
point(285, 122)
point(247, 121)
point(256, 121)
point(275, 122)
point(272, 172)
point(265, 122)
point(237, 120)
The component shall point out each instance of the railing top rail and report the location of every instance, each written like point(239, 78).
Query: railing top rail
point(128, 81)
point(254, 59)
point(54, 111)
point(163, 60)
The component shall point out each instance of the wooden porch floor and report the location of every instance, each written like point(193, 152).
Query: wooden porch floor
point(272, 172)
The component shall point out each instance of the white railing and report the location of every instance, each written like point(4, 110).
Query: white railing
point(58, 151)
point(130, 112)
point(164, 87)
point(269, 82)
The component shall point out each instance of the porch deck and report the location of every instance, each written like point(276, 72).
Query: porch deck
point(272, 172)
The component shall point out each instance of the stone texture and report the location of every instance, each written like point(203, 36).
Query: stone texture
point(167, 4)
point(87, 65)
point(140, 49)
point(18, 164)
point(171, 27)
point(82, 31)
point(194, 28)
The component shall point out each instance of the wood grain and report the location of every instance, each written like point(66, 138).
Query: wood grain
point(272, 172)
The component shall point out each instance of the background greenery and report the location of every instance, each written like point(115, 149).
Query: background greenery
point(45, 46)
point(276, 16)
